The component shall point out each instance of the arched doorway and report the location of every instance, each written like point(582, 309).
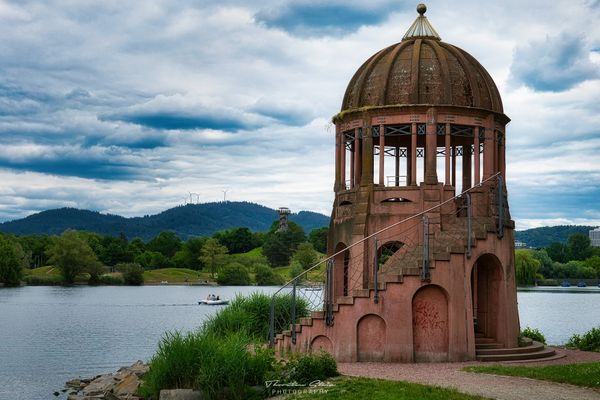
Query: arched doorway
point(486, 280)
point(321, 343)
point(430, 324)
point(341, 264)
point(370, 337)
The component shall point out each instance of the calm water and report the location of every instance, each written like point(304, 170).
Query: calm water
point(51, 334)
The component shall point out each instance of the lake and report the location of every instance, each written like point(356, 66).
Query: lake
point(49, 335)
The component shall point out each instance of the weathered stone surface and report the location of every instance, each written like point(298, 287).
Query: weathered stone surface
point(121, 385)
point(180, 394)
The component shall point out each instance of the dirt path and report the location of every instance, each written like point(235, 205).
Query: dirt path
point(492, 386)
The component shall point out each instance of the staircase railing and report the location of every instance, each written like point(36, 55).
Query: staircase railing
point(313, 289)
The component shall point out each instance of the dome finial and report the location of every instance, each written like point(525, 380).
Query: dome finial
point(421, 28)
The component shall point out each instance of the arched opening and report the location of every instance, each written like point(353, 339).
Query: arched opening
point(386, 251)
point(341, 264)
point(430, 324)
point(321, 343)
point(486, 280)
point(370, 337)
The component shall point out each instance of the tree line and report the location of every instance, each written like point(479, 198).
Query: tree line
point(222, 254)
point(576, 259)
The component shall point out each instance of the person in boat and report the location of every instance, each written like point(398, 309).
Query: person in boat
point(218, 298)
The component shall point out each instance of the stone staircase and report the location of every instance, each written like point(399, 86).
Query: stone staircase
point(487, 349)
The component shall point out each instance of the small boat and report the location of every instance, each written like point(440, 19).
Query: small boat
point(313, 289)
point(565, 284)
point(582, 284)
point(220, 302)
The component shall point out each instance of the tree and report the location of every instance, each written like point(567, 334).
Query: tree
point(579, 247)
point(189, 255)
point(72, 255)
point(318, 238)
point(166, 243)
point(234, 274)
point(306, 255)
point(133, 273)
point(279, 246)
point(12, 261)
point(545, 262)
point(213, 255)
point(527, 267)
point(558, 252)
point(594, 263)
point(136, 246)
point(152, 260)
point(265, 276)
point(114, 250)
point(238, 240)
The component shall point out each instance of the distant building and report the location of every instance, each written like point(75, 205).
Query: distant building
point(520, 245)
point(595, 237)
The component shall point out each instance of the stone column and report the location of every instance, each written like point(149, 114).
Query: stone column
point(477, 156)
point(366, 172)
point(447, 154)
point(453, 166)
point(397, 169)
point(488, 148)
point(338, 160)
point(502, 155)
point(381, 155)
point(431, 148)
point(413, 154)
point(343, 161)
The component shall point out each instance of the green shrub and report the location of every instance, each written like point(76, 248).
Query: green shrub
point(296, 270)
point(306, 368)
point(265, 276)
point(133, 273)
point(108, 279)
point(208, 363)
point(234, 274)
point(43, 280)
point(251, 314)
point(589, 341)
point(534, 334)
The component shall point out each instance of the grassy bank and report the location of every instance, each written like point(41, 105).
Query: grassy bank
point(587, 374)
point(346, 388)
point(176, 275)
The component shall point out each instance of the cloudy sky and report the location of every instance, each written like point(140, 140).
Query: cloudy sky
point(127, 106)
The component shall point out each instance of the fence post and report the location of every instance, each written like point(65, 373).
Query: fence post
point(469, 226)
point(272, 323)
point(294, 312)
point(375, 275)
point(500, 207)
point(329, 294)
point(425, 275)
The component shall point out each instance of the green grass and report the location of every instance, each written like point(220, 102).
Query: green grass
point(175, 275)
point(587, 374)
point(47, 270)
point(346, 388)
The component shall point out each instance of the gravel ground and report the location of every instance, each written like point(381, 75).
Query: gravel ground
point(492, 386)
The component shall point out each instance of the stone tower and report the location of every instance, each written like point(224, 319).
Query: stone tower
point(420, 240)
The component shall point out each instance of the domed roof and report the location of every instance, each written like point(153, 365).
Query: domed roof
point(421, 69)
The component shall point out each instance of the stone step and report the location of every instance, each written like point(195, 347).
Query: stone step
point(535, 355)
point(535, 346)
point(306, 321)
point(317, 315)
point(482, 346)
point(479, 340)
point(345, 300)
point(361, 293)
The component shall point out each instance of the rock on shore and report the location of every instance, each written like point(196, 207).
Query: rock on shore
point(121, 385)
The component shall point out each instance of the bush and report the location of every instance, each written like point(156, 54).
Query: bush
point(306, 368)
point(108, 279)
point(209, 363)
point(251, 314)
point(265, 276)
point(234, 274)
point(296, 270)
point(589, 341)
point(43, 280)
point(133, 273)
point(534, 334)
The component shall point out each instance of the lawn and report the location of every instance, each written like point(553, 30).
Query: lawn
point(44, 271)
point(175, 275)
point(346, 388)
point(586, 374)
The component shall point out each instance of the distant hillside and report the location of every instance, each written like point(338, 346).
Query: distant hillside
point(189, 220)
point(544, 236)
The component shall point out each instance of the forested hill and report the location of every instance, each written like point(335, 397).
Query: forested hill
point(546, 235)
point(189, 220)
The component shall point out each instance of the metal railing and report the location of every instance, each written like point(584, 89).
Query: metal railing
point(314, 287)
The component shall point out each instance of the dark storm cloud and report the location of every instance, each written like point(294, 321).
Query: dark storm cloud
point(554, 64)
point(309, 18)
point(97, 163)
point(181, 121)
